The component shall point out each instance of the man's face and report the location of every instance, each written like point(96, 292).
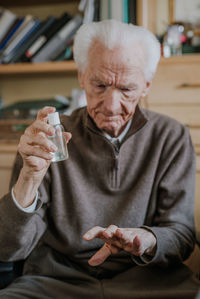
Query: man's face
point(114, 82)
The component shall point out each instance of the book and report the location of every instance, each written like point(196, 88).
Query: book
point(96, 11)
point(104, 10)
point(88, 8)
point(67, 54)
point(38, 32)
point(22, 30)
point(125, 6)
point(42, 40)
point(116, 10)
point(1, 11)
point(132, 11)
point(35, 23)
point(11, 32)
point(6, 20)
point(58, 43)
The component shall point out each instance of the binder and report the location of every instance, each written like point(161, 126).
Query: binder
point(6, 21)
point(18, 55)
point(58, 43)
point(46, 36)
point(11, 32)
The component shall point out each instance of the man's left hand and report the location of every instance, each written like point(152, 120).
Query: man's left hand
point(137, 241)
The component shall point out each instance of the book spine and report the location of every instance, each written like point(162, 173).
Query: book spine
point(35, 24)
point(56, 44)
point(21, 27)
point(117, 10)
point(40, 39)
point(36, 46)
point(125, 11)
point(10, 34)
point(25, 43)
point(104, 10)
point(41, 27)
point(44, 39)
point(132, 9)
point(7, 19)
point(16, 41)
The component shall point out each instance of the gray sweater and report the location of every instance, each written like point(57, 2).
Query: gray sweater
point(149, 182)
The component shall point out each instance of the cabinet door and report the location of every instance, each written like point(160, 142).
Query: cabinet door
point(175, 89)
point(197, 199)
point(6, 164)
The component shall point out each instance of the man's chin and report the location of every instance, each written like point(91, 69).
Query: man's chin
point(110, 129)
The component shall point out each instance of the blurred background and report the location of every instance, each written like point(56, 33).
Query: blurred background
point(37, 67)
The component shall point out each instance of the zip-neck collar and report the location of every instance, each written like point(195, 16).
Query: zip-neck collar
point(121, 136)
point(138, 121)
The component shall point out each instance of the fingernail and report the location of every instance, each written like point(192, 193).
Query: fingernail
point(87, 235)
point(51, 131)
point(53, 148)
point(94, 262)
point(50, 155)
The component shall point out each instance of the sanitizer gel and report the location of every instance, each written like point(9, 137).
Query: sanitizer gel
point(58, 139)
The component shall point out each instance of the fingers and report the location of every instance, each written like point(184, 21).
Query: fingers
point(110, 231)
point(39, 126)
point(38, 140)
point(67, 136)
point(35, 141)
point(102, 254)
point(137, 247)
point(93, 233)
point(137, 240)
point(100, 232)
point(35, 151)
point(37, 145)
point(105, 234)
point(43, 113)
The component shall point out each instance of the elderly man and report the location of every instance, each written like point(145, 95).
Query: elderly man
point(123, 200)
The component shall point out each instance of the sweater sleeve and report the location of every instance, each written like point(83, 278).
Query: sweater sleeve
point(173, 223)
point(20, 231)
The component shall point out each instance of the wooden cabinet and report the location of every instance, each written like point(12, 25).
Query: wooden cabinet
point(175, 91)
point(7, 157)
point(42, 80)
point(36, 81)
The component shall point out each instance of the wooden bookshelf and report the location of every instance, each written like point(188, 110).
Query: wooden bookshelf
point(38, 68)
point(8, 3)
point(70, 67)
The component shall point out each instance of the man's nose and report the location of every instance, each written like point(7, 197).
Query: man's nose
point(112, 101)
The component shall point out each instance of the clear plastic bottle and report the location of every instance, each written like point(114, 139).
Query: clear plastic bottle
point(58, 139)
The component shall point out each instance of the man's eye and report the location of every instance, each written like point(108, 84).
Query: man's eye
point(101, 86)
point(125, 89)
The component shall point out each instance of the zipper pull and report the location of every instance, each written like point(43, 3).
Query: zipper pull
point(116, 145)
point(116, 162)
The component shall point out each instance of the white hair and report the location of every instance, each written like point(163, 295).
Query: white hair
point(113, 33)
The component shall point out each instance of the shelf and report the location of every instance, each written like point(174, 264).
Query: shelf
point(70, 67)
point(7, 3)
point(37, 68)
point(186, 58)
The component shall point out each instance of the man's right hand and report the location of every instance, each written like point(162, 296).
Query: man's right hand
point(35, 147)
point(36, 151)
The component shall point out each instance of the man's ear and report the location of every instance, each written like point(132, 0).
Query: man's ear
point(146, 89)
point(81, 79)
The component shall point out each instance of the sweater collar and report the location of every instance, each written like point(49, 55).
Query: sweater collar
point(138, 121)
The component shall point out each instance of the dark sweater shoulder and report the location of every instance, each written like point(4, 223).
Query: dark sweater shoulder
point(75, 120)
point(162, 123)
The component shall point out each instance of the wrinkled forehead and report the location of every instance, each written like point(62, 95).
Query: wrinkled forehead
point(127, 55)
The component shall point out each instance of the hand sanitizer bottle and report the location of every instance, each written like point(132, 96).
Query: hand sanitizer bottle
point(58, 139)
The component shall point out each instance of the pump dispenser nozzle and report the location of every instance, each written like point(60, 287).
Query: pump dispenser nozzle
point(58, 139)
